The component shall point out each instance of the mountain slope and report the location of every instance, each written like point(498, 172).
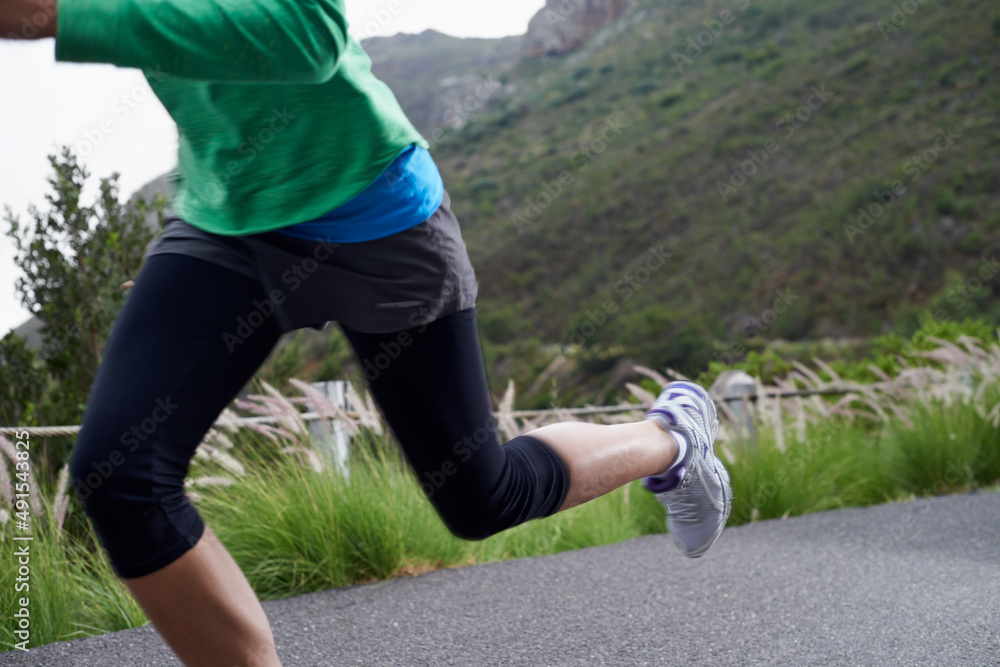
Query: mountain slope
point(691, 141)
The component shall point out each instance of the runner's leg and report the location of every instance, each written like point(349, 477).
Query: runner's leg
point(435, 397)
point(167, 372)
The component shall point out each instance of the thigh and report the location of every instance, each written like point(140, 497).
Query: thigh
point(431, 386)
point(174, 359)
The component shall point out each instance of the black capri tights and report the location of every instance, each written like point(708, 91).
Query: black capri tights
point(166, 374)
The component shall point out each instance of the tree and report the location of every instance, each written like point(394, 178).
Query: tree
point(75, 260)
point(22, 381)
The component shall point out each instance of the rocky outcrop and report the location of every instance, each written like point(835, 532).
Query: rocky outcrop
point(564, 25)
point(441, 81)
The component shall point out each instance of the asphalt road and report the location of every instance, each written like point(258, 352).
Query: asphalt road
point(905, 584)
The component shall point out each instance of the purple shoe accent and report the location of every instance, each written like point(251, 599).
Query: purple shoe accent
point(670, 478)
point(668, 481)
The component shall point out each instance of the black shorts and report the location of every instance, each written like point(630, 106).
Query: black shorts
point(394, 283)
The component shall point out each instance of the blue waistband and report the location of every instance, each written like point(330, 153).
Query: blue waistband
point(404, 195)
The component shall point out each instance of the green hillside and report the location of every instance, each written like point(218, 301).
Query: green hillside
point(743, 162)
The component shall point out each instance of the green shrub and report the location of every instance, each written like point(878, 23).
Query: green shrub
point(945, 448)
point(669, 98)
point(837, 466)
point(336, 357)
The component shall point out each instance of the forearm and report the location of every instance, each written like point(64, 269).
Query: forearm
point(27, 19)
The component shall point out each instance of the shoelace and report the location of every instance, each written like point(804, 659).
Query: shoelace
point(692, 430)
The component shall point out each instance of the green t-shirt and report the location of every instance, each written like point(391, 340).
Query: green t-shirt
point(279, 116)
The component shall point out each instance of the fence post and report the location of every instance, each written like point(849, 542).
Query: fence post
point(737, 388)
point(332, 436)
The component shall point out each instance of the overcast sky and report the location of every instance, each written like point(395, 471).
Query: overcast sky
point(114, 123)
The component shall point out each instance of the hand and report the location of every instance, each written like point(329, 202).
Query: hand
point(27, 19)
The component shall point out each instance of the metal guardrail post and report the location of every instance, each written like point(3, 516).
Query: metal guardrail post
point(738, 389)
point(332, 437)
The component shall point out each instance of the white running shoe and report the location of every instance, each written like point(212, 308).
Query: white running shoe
point(695, 489)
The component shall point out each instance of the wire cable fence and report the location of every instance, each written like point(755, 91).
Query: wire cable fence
point(68, 430)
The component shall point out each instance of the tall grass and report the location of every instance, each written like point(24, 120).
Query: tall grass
point(934, 429)
point(946, 447)
point(938, 449)
point(73, 591)
point(769, 483)
point(293, 529)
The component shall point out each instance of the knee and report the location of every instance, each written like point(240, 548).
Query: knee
point(134, 498)
point(471, 529)
point(532, 483)
point(469, 517)
point(100, 471)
